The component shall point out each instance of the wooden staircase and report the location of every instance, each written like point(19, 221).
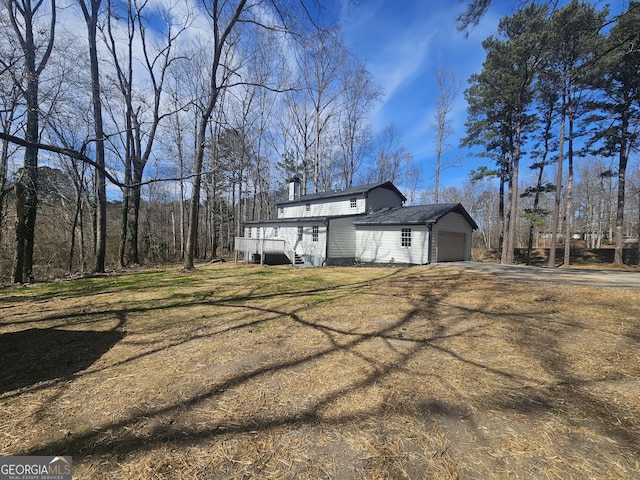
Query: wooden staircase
point(298, 260)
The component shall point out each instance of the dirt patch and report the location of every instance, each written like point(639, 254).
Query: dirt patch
point(239, 371)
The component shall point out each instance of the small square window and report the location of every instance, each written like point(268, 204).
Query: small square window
point(354, 202)
point(315, 233)
point(406, 237)
point(307, 207)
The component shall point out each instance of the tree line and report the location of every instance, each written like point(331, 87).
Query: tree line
point(136, 132)
point(210, 103)
point(559, 85)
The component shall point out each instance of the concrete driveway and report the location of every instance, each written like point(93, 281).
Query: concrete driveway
point(629, 280)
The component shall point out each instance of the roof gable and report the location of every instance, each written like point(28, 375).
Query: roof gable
point(345, 192)
point(416, 215)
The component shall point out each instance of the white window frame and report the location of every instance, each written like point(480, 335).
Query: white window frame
point(405, 237)
point(300, 233)
point(353, 202)
point(315, 233)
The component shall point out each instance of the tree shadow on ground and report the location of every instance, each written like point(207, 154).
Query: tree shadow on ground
point(35, 355)
point(532, 333)
point(123, 440)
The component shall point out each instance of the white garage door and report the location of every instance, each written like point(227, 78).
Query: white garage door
point(450, 246)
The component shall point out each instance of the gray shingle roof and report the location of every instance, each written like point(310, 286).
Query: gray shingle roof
point(345, 192)
point(416, 215)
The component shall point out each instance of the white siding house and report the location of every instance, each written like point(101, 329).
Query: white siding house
point(363, 224)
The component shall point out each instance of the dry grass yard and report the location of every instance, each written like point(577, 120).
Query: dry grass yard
point(240, 371)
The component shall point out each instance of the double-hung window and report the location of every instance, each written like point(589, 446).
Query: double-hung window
point(300, 230)
point(406, 237)
point(248, 232)
point(353, 202)
point(315, 231)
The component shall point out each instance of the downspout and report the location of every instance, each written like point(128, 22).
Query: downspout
point(326, 242)
point(429, 243)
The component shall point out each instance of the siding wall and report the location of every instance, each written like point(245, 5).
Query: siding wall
point(324, 208)
point(382, 244)
point(376, 199)
point(342, 238)
point(381, 198)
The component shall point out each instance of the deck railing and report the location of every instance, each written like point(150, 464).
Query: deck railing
point(265, 245)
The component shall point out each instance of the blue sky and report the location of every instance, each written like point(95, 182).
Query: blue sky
point(403, 44)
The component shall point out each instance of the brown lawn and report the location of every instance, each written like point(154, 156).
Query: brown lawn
point(239, 371)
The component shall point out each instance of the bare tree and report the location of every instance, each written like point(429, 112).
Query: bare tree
point(321, 63)
point(90, 11)
point(360, 95)
point(36, 43)
point(224, 19)
point(448, 87)
point(390, 156)
point(140, 129)
point(594, 194)
point(297, 124)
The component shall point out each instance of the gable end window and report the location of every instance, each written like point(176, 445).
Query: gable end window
point(406, 237)
point(315, 233)
point(353, 202)
point(307, 207)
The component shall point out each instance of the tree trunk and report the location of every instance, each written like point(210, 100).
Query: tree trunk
point(536, 202)
point(622, 170)
point(501, 219)
point(569, 193)
point(558, 193)
point(638, 233)
point(91, 19)
point(28, 191)
point(124, 211)
point(18, 261)
point(513, 193)
point(74, 227)
point(192, 231)
point(132, 247)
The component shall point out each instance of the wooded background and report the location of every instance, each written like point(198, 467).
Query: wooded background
point(144, 132)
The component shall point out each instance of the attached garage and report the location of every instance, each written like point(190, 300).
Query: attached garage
point(415, 235)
